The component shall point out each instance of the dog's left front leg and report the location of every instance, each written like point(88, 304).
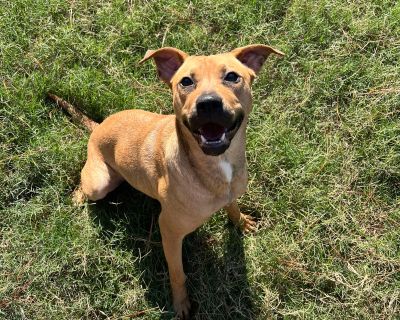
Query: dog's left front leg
point(243, 221)
point(172, 232)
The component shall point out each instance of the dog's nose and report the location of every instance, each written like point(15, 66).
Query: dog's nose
point(208, 104)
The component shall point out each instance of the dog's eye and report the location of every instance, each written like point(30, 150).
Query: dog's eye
point(186, 81)
point(232, 77)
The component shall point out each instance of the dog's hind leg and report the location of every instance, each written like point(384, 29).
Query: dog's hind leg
point(97, 178)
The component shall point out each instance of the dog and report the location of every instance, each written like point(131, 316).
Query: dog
point(193, 161)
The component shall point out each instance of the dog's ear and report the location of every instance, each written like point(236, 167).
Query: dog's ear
point(254, 55)
point(168, 61)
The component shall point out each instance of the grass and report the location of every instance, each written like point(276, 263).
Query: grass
point(323, 153)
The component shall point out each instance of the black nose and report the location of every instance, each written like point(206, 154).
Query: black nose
point(208, 104)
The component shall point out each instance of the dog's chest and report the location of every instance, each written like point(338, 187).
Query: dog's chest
point(227, 170)
point(203, 186)
point(203, 198)
point(206, 202)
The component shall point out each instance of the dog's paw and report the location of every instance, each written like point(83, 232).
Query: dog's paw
point(247, 223)
point(182, 309)
point(78, 197)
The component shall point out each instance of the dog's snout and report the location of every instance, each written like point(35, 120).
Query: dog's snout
point(208, 104)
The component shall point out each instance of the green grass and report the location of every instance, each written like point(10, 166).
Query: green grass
point(323, 153)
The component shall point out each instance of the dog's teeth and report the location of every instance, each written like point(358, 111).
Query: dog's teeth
point(204, 140)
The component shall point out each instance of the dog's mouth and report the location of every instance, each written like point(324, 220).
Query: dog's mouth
point(211, 133)
point(214, 138)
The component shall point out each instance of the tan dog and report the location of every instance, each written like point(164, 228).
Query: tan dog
point(192, 162)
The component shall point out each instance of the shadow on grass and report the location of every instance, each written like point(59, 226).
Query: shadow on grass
point(217, 284)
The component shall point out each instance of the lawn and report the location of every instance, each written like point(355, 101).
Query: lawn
point(323, 152)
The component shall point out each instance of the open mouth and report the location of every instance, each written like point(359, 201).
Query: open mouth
point(212, 133)
point(214, 138)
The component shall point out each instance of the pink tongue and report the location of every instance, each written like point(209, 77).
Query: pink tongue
point(212, 131)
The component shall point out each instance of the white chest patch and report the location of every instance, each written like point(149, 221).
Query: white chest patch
point(226, 169)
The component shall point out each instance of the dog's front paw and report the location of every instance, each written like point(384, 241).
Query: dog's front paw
point(182, 308)
point(247, 223)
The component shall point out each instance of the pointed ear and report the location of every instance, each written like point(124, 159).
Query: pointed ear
point(168, 61)
point(254, 56)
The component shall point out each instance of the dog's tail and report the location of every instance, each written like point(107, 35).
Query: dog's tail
point(76, 114)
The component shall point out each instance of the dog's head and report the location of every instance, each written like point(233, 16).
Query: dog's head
point(211, 94)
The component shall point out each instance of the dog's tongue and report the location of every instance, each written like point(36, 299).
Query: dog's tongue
point(212, 131)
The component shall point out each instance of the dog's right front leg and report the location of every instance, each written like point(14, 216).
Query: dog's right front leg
point(172, 233)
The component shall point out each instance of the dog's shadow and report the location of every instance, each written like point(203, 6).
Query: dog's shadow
point(217, 284)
